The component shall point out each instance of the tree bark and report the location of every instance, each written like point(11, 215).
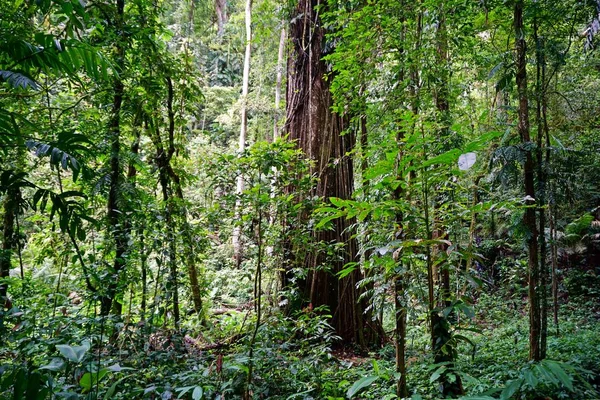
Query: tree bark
point(237, 230)
point(222, 17)
point(162, 162)
point(317, 131)
point(278, 82)
point(443, 348)
point(541, 180)
point(529, 218)
point(114, 212)
point(554, 251)
point(8, 241)
point(399, 276)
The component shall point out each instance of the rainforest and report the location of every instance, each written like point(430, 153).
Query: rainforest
point(299, 199)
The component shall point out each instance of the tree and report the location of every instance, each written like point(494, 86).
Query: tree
point(236, 237)
point(529, 218)
point(322, 135)
point(114, 203)
point(222, 17)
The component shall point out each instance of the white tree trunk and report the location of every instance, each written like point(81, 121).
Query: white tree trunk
point(276, 134)
point(278, 83)
point(237, 231)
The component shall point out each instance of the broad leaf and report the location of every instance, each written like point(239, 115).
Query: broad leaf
point(511, 389)
point(361, 384)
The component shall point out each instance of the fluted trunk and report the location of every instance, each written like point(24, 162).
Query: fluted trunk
point(317, 131)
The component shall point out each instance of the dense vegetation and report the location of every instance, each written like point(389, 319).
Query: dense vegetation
point(301, 199)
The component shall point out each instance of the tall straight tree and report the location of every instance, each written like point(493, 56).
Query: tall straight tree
point(318, 132)
point(279, 80)
point(237, 231)
point(114, 212)
point(529, 218)
point(10, 206)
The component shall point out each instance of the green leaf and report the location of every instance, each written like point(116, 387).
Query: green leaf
point(530, 378)
point(436, 375)
point(376, 367)
point(34, 383)
point(18, 80)
point(73, 353)
point(545, 372)
point(560, 373)
point(90, 379)
point(511, 389)
point(20, 383)
point(337, 202)
point(328, 219)
point(197, 393)
point(361, 384)
point(55, 365)
point(347, 271)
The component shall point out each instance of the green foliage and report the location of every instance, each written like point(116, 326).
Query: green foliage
point(65, 64)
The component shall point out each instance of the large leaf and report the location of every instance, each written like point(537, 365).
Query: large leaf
point(64, 152)
point(73, 353)
point(55, 365)
point(90, 379)
point(197, 393)
point(511, 389)
point(436, 375)
point(113, 388)
point(361, 384)
point(18, 80)
point(560, 373)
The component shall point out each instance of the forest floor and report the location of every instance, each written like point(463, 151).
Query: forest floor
point(296, 358)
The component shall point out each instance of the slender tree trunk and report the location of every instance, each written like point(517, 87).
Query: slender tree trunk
point(278, 82)
point(163, 158)
point(541, 180)
point(237, 231)
point(222, 17)
point(144, 268)
point(554, 250)
point(551, 208)
point(8, 241)
point(175, 181)
point(443, 347)
point(114, 211)
point(188, 241)
point(399, 290)
point(400, 309)
point(257, 300)
point(529, 218)
point(163, 175)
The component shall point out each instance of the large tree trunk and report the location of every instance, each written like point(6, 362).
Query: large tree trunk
point(529, 218)
point(317, 131)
